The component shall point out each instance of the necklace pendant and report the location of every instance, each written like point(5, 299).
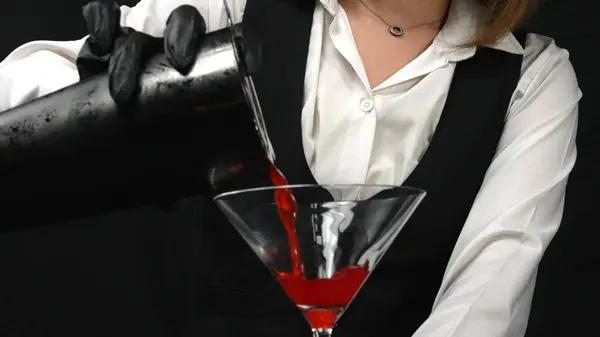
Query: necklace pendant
point(397, 31)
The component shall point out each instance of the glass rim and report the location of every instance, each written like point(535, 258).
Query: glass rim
point(326, 186)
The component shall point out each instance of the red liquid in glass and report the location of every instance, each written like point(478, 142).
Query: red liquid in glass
point(321, 300)
point(324, 299)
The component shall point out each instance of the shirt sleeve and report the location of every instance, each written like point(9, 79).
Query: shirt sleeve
point(488, 284)
point(41, 67)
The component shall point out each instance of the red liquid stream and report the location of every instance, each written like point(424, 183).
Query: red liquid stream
point(286, 205)
point(322, 300)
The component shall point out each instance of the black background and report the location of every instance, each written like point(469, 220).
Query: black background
point(567, 293)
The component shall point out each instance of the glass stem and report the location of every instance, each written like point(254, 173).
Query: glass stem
point(322, 332)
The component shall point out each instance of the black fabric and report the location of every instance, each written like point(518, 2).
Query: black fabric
point(521, 36)
point(280, 81)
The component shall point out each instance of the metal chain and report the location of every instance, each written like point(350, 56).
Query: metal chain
point(396, 30)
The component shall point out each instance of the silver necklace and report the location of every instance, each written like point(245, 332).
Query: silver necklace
point(396, 30)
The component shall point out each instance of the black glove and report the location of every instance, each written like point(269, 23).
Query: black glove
point(124, 51)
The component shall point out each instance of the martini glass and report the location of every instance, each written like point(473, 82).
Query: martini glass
point(320, 242)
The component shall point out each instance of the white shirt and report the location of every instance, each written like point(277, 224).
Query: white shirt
point(356, 134)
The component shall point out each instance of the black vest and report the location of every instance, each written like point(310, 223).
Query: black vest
point(399, 295)
point(150, 272)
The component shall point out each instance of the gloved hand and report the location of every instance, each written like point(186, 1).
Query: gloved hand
point(124, 51)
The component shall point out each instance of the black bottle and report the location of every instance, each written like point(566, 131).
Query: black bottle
point(74, 153)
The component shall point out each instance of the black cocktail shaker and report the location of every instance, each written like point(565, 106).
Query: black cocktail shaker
point(74, 153)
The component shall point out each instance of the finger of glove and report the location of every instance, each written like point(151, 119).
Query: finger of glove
point(102, 19)
point(89, 63)
point(127, 62)
point(183, 36)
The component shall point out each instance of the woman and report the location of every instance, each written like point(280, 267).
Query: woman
point(437, 94)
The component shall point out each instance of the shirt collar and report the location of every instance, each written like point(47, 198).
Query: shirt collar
point(461, 26)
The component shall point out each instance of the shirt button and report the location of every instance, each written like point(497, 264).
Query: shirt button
point(366, 105)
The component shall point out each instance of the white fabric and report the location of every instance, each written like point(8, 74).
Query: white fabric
point(355, 134)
